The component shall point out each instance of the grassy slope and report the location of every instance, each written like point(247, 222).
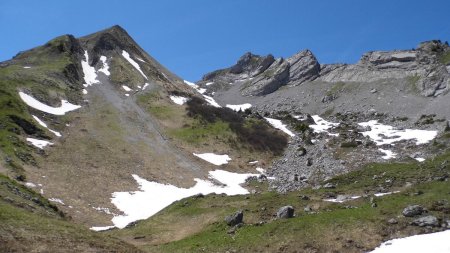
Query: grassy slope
point(193, 225)
point(46, 81)
point(28, 222)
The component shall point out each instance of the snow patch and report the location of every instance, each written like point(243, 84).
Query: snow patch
point(213, 158)
point(279, 125)
point(26, 67)
point(84, 91)
point(419, 159)
point(126, 55)
point(342, 199)
point(90, 76)
point(145, 86)
point(178, 100)
point(153, 197)
point(384, 134)
point(36, 104)
point(209, 83)
point(381, 194)
point(42, 123)
point(139, 59)
point(105, 67)
point(237, 108)
point(190, 83)
point(127, 95)
point(98, 229)
point(211, 101)
point(388, 154)
point(126, 88)
point(39, 143)
point(253, 162)
point(322, 126)
point(30, 185)
point(56, 201)
point(435, 242)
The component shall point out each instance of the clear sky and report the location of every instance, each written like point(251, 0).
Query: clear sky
point(193, 37)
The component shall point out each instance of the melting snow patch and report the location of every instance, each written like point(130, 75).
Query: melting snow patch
point(209, 83)
point(213, 158)
point(127, 95)
point(126, 88)
point(211, 101)
point(98, 229)
point(26, 67)
point(384, 134)
point(435, 242)
point(126, 55)
point(42, 123)
point(30, 185)
point(153, 197)
point(139, 59)
point(178, 100)
point(56, 201)
point(381, 194)
point(237, 108)
point(342, 199)
point(32, 102)
point(388, 154)
point(420, 159)
point(84, 91)
point(253, 162)
point(190, 83)
point(322, 125)
point(279, 125)
point(201, 90)
point(39, 143)
point(90, 77)
point(105, 68)
point(145, 86)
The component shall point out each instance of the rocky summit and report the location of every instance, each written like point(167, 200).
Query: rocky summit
point(103, 149)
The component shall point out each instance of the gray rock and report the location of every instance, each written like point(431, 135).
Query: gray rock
point(269, 81)
point(285, 212)
point(392, 221)
point(425, 221)
point(234, 219)
point(303, 67)
point(413, 210)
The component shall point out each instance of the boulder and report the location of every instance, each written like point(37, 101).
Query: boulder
point(426, 221)
point(285, 212)
point(234, 219)
point(413, 210)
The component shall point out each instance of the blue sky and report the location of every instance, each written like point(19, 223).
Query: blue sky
point(194, 37)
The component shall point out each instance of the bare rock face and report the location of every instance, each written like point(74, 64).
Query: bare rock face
point(303, 67)
point(422, 64)
point(268, 81)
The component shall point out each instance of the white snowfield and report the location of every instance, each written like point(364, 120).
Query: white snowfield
point(36, 104)
point(42, 123)
point(56, 200)
point(179, 100)
point(279, 125)
point(152, 197)
point(90, 76)
point(126, 88)
point(209, 83)
point(322, 126)
point(145, 86)
point(39, 143)
point(384, 134)
point(213, 158)
point(105, 67)
point(436, 243)
point(190, 83)
point(237, 108)
point(127, 57)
